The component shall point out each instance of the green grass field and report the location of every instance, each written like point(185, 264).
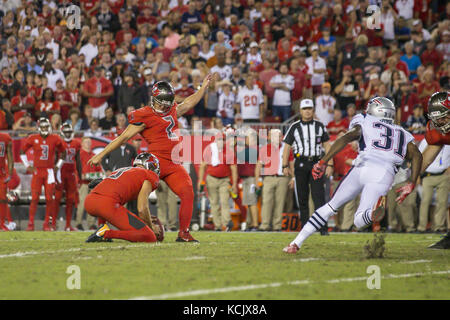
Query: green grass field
point(233, 265)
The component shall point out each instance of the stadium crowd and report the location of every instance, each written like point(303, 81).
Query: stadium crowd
point(91, 67)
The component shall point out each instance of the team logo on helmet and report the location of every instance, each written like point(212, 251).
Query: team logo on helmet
point(164, 95)
point(44, 126)
point(148, 161)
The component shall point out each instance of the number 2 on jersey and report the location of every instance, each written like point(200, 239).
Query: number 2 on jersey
point(169, 128)
point(388, 136)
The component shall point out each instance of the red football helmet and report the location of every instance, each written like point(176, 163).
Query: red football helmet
point(148, 161)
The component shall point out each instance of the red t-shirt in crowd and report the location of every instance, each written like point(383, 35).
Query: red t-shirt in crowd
point(335, 127)
point(94, 85)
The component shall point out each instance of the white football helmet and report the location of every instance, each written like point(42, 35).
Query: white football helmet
point(382, 108)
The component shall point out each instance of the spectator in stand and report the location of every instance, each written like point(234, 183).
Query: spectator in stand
point(74, 119)
point(48, 105)
point(56, 122)
point(317, 68)
point(89, 50)
point(275, 186)
point(418, 27)
point(412, 60)
point(98, 89)
point(86, 153)
point(386, 75)
point(431, 56)
point(283, 83)
point(130, 93)
point(372, 86)
point(300, 82)
point(444, 46)
point(182, 93)
point(343, 162)
point(338, 124)
point(25, 124)
point(326, 42)
point(351, 112)
point(63, 98)
point(86, 120)
point(109, 121)
point(250, 101)
point(348, 89)
point(226, 102)
point(222, 68)
point(405, 100)
point(253, 56)
point(94, 129)
point(372, 64)
point(22, 103)
point(416, 123)
point(427, 87)
point(324, 105)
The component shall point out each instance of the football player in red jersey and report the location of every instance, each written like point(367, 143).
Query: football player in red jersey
point(6, 155)
point(157, 123)
point(437, 135)
point(107, 198)
point(67, 177)
point(46, 146)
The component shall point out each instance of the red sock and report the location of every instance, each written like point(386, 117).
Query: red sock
point(69, 212)
point(142, 235)
point(32, 212)
point(3, 207)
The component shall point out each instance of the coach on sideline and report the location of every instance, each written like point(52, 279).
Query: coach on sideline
point(308, 139)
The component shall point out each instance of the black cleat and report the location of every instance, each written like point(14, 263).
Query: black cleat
point(97, 236)
point(185, 236)
point(444, 243)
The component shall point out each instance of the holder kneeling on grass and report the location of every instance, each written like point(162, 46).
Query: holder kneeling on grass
point(108, 196)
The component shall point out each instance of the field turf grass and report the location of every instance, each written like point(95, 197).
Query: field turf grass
point(231, 266)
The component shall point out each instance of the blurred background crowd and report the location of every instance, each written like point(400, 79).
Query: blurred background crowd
point(91, 67)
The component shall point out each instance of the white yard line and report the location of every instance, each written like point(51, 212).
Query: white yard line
point(307, 259)
point(201, 292)
point(192, 258)
point(34, 253)
point(416, 261)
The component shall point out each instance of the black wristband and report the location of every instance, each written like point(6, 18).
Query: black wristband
point(283, 167)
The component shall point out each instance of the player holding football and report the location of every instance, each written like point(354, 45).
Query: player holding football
point(437, 135)
point(6, 155)
point(157, 123)
point(67, 177)
point(107, 198)
point(45, 146)
point(382, 147)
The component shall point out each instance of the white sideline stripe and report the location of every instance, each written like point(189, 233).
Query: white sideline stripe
point(192, 258)
point(33, 253)
point(278, 284)
point(416, 261)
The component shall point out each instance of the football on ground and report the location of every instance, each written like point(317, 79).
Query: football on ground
point(231, 266)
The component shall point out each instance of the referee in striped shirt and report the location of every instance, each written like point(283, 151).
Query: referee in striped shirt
point(309, 141)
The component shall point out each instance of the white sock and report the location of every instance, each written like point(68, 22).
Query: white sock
point(315, 223)
point(363, 218)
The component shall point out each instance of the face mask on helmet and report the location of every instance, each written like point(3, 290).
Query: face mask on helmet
point(45, 127)
point(148, 161)
point(67, 132)
point(438, 111)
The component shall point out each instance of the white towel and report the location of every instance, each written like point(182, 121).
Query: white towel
point(214, 154)
point(58, 176)
point(50, 176)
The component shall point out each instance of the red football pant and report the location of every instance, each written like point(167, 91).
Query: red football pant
point(179, 181)
point(38, 180)
point(131, 227)
point(69, 185)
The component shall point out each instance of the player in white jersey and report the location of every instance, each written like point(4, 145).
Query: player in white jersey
point(383, 146)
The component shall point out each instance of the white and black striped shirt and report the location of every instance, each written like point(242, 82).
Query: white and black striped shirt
point(306, 138)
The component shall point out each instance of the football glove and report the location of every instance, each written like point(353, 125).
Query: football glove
point(319, 169)
point(404, 191)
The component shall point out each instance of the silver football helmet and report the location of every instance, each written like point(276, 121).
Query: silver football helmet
point(382, 108)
